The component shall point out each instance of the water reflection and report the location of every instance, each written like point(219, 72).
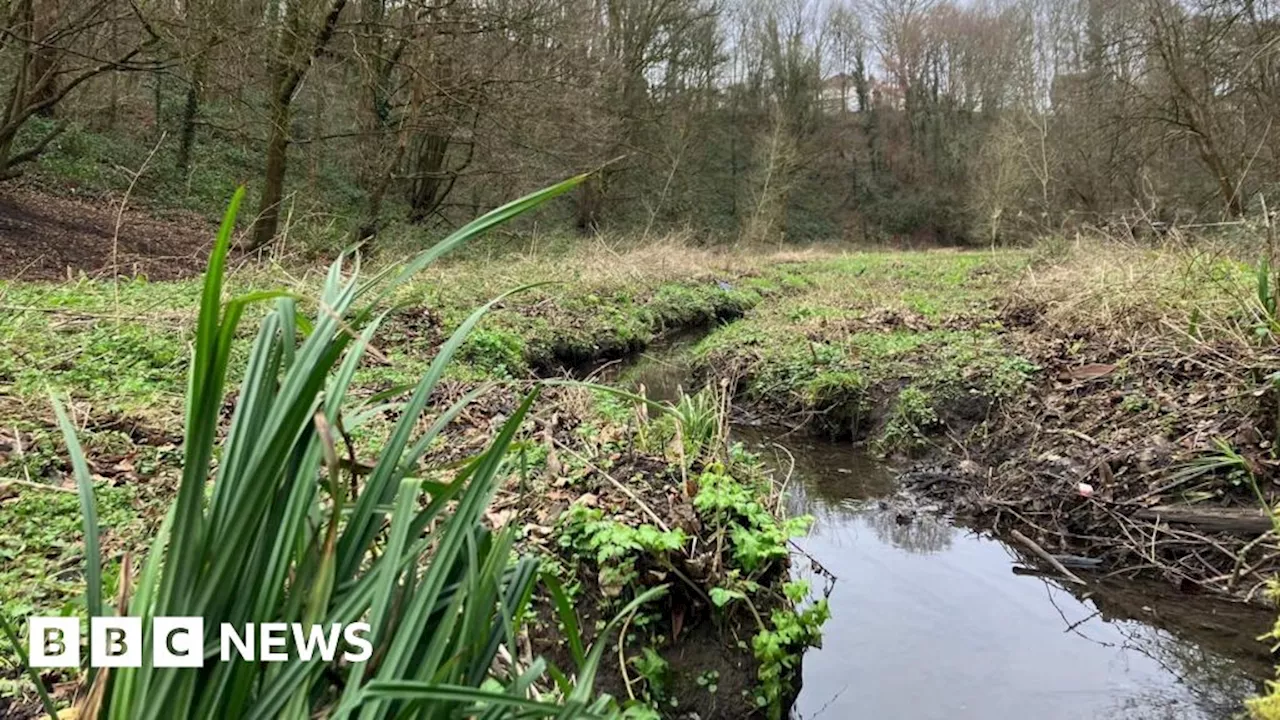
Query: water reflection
point(839, 486)
point(922, 534)
point(929, 621)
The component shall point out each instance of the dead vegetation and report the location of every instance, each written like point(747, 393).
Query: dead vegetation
point(1149, 438)
point(46, 237)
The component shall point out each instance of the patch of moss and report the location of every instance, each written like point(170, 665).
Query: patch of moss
point(495, 351)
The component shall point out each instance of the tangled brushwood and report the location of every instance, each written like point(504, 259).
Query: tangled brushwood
point(1149, 441)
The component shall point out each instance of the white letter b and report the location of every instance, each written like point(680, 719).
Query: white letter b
point(115, 641)
point(54, 642)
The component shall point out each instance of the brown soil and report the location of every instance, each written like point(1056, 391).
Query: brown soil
point(46, 237)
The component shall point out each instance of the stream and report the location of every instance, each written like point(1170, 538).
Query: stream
point(931, 620)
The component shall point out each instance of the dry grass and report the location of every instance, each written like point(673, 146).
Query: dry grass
point(1123, 289)
point(1183, 352)
point(605, 262)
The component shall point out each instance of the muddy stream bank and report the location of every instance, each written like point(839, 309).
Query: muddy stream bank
point(932, 620)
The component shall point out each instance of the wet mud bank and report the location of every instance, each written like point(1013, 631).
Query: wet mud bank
point(1118, 407)
point(1143, 461)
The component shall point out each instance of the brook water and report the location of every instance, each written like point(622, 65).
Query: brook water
point(929, 620)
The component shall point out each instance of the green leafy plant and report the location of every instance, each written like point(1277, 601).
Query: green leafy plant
point(616, 547)
point(756, 536)
point(277, 529)
point(779, 647)
point(709, 680)
point(749, 537)
point(758, 542)
point(1265, 293)
point(912, 413)
point(700, 423)
point(495, 352)
point(655, 671)
point(1224, 460)
point(689, 430)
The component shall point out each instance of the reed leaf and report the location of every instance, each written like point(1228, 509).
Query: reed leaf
point(275, 540)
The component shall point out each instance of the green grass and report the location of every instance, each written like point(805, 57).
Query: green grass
point(119, 353)
point(42, 553)
point(123, 348)
point(266, 524)
point(882, 342)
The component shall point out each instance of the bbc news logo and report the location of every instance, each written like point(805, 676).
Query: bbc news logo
point(179, 642)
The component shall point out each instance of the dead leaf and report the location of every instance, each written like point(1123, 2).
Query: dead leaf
point(1092, 371)
point(609, 584)
point(499, 519)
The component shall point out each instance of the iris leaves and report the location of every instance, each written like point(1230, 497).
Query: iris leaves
point(267, 526)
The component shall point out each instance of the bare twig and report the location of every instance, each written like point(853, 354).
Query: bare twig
point(1044, 555)
point(626, 490)
point(115, 238)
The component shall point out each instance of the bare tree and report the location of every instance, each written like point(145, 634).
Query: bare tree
point(57, 46)
point(299, 43)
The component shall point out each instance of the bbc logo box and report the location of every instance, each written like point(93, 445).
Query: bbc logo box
point(116, 642)
point(179, 642)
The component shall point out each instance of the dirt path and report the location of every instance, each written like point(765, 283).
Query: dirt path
point(45, 237)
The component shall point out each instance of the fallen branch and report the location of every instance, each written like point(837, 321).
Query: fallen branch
point(1249, 521)
point(35, 485)
point(1043, 555)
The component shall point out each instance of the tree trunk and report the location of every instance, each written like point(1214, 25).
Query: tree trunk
point(264, 229)
point(190, 111)
point(288, 76)
point(429, 183)
point(1212, 159)
point(44, 59)
point(588, 210)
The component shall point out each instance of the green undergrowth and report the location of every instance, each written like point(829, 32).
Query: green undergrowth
point(87, 162)
point(883, 346)
point(123, 347)
point(119, 352)
point(745, 582)
point(543, 330)
point(723, 545)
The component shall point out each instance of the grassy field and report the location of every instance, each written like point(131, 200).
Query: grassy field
point(880, 346)
point(1021, 373)
point(910, 351)
point(118, 353)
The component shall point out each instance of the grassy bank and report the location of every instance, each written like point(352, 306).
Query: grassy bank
point(889, 348)
point(582, 487)
point(1109, 400)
